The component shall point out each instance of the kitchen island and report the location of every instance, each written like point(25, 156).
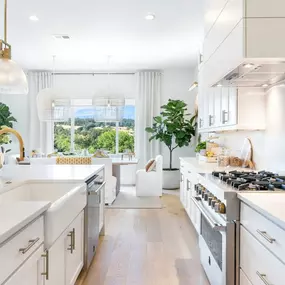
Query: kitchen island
point(43, 222)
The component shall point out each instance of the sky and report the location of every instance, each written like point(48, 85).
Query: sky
point(129, 113)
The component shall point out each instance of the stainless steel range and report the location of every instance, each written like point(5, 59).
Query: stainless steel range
point(216, 199)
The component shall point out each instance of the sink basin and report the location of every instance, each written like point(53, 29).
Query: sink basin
point(68, 200)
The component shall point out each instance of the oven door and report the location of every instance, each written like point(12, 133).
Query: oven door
point(217, 245)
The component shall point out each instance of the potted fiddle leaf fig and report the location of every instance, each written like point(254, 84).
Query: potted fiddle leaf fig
point(175, 128)
point(6, 120)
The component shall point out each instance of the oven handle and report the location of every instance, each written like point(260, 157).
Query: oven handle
point(97, 190)
point(215, 226)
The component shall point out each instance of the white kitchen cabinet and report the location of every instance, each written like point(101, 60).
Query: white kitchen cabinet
point(55, 262)
point(265, 231)
point(258, 263)
point(19, 248)
point(243, 280)
point(233, 109)
point(241, 32)
point(65, 257)
point(211, 107)
point(30, 273)
point(74, 249)
point(187, 191)
point(228, 106)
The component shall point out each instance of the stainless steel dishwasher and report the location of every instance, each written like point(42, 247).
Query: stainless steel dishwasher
point(93, 211)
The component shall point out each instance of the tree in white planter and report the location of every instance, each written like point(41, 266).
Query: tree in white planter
point(175, 128)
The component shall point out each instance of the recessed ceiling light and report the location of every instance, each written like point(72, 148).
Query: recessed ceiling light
point(150, 17)
point(248, 65)
point(265, 85)
point(219, 85)
point(34, 18)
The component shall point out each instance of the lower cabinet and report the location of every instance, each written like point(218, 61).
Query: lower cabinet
point(74, 250)
point(187, 190)
point(243, 279)
point(30, 273)
point(65, 257)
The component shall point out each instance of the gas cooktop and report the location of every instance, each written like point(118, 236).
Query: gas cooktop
point(252, 181)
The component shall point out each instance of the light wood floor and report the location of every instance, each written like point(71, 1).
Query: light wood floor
point(148, 247)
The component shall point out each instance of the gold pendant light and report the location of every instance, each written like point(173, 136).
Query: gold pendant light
point(12, 78)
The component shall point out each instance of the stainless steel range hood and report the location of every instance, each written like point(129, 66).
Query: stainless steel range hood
point(255, 75)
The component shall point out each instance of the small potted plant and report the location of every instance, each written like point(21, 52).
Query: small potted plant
point(201, 148)
point(175, 128)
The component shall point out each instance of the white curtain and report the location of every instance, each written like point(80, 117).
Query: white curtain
point(40, 133)
point(147, 106)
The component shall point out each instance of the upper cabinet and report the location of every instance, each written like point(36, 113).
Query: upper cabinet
point(227, 108)
point(243, 42)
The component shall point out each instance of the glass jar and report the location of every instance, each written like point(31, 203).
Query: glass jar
point(235, 160)
point(224, 158)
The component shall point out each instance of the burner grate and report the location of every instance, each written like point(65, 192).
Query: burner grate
point(252, 181)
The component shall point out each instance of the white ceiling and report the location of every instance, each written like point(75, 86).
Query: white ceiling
point(99, 28)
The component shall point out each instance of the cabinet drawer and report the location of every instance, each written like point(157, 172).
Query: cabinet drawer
point(269, 234)
point(258, 263)
point(243, 279)
point(20, 247)
point(30, 273)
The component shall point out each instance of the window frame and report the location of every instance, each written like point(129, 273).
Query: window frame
point(74, 108)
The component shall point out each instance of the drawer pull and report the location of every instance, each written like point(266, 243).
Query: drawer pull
point(263, 278)
point(71, 242)
point(46, 273)
point(266, 236)
point(73, 238)
point(32, 242)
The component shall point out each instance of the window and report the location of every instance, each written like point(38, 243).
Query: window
point(82, 132)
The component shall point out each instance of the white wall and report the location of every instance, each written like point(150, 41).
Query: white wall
point(175, 85)
point(98, 85)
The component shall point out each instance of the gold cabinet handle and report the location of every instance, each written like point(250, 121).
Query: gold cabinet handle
point(266, 236)
point(71, 241)
point(263, 278)
point(46, 256)
point(32, 242)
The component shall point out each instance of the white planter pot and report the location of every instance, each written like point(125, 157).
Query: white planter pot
point(171, 179)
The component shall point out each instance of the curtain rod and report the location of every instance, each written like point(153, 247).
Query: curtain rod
point(93, 73)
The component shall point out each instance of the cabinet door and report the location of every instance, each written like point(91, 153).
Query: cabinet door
point(233, 105)
point(225, 106)
point(217, 107)
point(30, 273)
point(201, 109)
point(211, 107)
point(182, 179)
point(187, 195)
point(74, 249)
point(56, 262)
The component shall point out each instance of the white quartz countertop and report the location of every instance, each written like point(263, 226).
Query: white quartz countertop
point(14, 216)
point(68, 173)
point(200, 166)
point(207, 167)
point(271, 205)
